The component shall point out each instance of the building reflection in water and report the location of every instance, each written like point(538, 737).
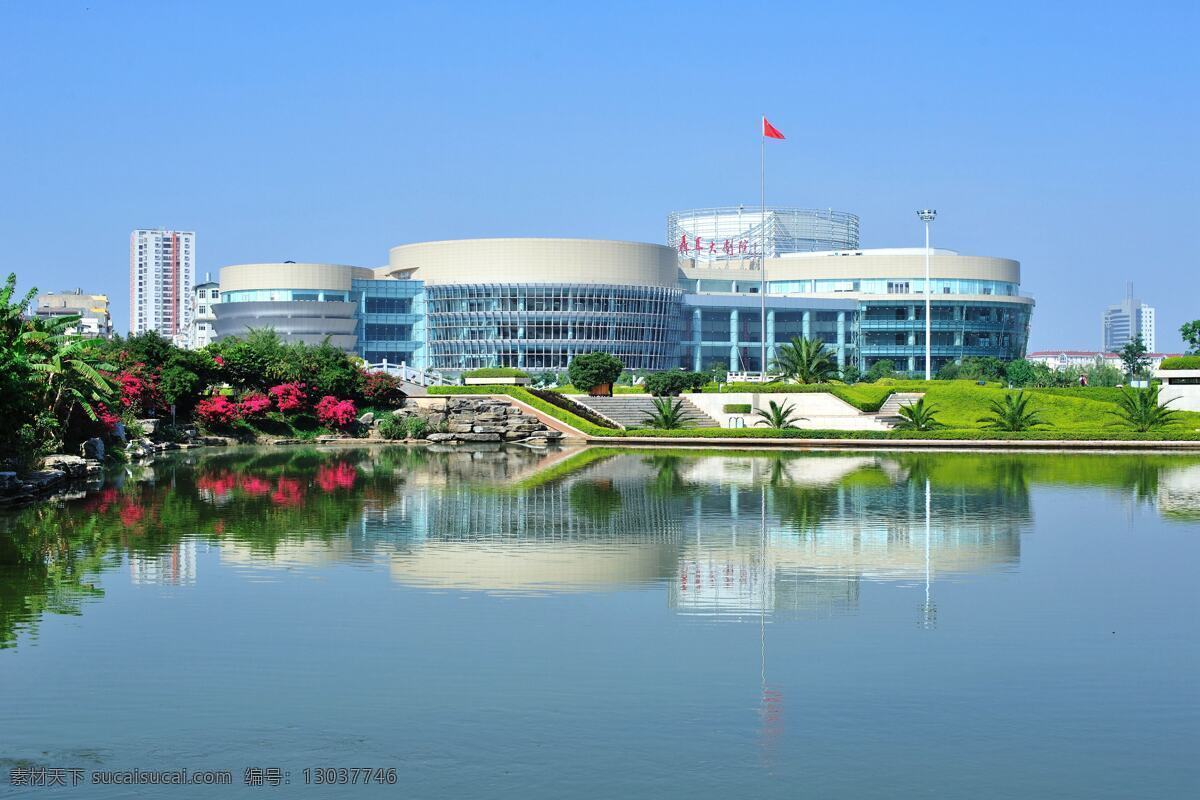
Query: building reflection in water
point(728, 536)
point(175, 566)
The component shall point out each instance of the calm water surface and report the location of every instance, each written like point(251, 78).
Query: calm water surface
point(614, 624)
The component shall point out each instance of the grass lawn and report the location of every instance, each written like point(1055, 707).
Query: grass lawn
point(1074, 414)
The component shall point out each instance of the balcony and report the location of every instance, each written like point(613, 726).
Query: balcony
point(937, 325)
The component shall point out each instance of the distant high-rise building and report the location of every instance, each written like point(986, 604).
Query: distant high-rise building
point(92, 310)
point(162, 266)
point(1126, 321)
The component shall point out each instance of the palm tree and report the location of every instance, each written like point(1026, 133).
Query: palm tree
point(1140, 409)
point(778, 416)
point(668, 414)
point(918, 417)
point(1012, 414)
point(71, 368)
point(805, 361)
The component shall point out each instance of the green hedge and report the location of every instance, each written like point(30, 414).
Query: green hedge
point(736, 408)
point(946, 434)
point(496, 372)
point(1181, 362)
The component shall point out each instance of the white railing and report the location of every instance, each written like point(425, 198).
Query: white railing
point(409, 374)
point(750, 377)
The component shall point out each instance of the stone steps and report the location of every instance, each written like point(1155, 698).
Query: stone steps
point(890, 410)
point(630, 410)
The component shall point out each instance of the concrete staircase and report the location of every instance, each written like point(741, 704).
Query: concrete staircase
point(630, 410)
point(890, 410)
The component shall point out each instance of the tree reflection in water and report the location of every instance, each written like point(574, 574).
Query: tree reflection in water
point(650, 517)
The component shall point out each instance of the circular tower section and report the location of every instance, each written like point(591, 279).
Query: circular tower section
point(735, 233)
point(536, 303)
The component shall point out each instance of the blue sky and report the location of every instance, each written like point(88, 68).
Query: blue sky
point(1060, 134)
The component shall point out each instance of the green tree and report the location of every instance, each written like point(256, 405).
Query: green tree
point(70, 368)
point(1140, 409)
point(718, 372)
point(778, 416)
point(1011, 414)
point(883, 368)
point(592, 370)
point(851, 374)
point(668, 414)
point(1133, 357)
point(1190, 331)
point(917, 416)
point(805, 361)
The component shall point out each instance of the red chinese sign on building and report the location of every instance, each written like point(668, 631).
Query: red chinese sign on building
point(699, 246)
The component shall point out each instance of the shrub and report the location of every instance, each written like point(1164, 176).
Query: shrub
point(416, 427)
point(884, 368)
point(217, 411)
point(670, 384)
point(805, 361)
point(1011, 414)
point(496, 372)
point(590, 370)
point(667, 415)
point(918, 417)
point(736, 408)
point(334, 412)
point(1181, 362)
point(392, 427)
point(381, 389)
point(288, 396)
point(1140, 410)
point(778, 416)
point(254, 405)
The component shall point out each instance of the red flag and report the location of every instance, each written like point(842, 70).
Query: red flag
point(770, 131)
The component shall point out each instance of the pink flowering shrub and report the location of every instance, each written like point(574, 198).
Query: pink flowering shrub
point(139, 389)
point(106, 418)
point(254, 405)
point(288, 396)
point(336, 413)
point(217, 411)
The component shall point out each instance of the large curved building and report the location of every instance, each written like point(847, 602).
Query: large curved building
point(302, 302)
point(536, 303)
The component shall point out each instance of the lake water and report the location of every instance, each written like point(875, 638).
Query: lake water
point(611, 624)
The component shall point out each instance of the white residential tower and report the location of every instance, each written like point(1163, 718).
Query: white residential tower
point(162, 266)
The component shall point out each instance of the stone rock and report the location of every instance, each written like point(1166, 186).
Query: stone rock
point(71, 466)
point(93, 448)
point(367, 418)
point(441, 437)
point(551, 434)
point(45, 479)
point(479, 437)
point(8, 482)
point(488, 429)
point(460, 427)
point(93, 469)
point(149, 426)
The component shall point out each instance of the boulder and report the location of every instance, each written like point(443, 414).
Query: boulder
point(9, 482)
point(441, 437)
point(488, 429)
point(479, 437)
point(460, 427)
point(71, 466)
point(367, 418)
point(93, 448)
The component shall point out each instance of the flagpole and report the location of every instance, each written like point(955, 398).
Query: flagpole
point(762, 256)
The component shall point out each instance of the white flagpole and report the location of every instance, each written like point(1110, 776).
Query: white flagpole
point(762, 255)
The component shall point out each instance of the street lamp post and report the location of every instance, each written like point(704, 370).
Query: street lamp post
point(927, 216)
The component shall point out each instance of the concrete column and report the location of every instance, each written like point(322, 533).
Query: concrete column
point(841, 339)
point(806, 325)
point(912, 363)
point(734, 363)
point(697, 338)
point(770, 335)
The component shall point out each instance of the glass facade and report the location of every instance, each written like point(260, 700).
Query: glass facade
point(895, 331)
point(391, 322)
point(892, 286)
point(544, 326)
